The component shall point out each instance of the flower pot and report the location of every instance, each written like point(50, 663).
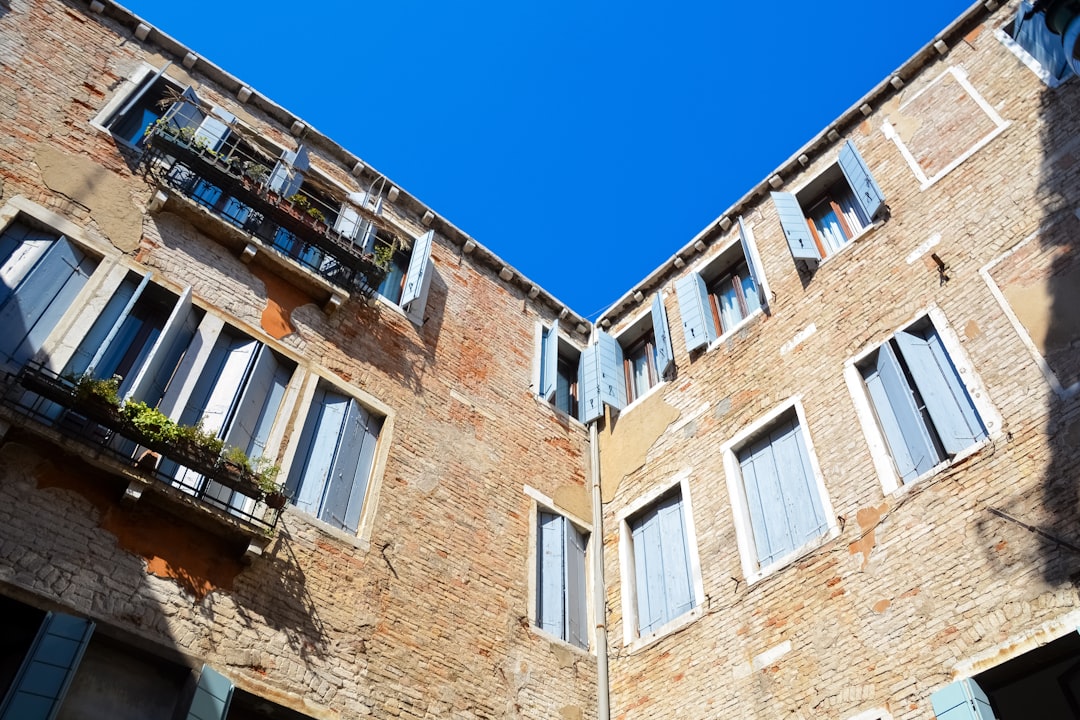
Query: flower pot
point(275, 500)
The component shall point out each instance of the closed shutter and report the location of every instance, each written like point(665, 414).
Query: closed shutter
point(41, 299)
point(212, 696)
point(664, 356)
point(577, 617)
point(910, 444)
point(551, 565)
point(648, 572)
point(957, 424)
point(318, 444)
point(351, 469)
point(793, 221)
point(612, 376)
point(418, 262)
point(698, 327)
point(678, 595)
point(863, 186)
point(46, 673)
point(661, 565)
point(753, 262)
point(549, 361)
point(963, 700)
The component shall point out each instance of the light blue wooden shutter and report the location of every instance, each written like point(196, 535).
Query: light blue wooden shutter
point(957, 424)
point(910, 444)
point(214, 128)
point(698, 326)
point(351, 470)
point(88, 354)
point(149, 382)
point(41, 299)
point(781, 492)
point(589, 406)
point(577, 615)
point(46, 673)
point(963, 700)
point(612, 376)
point(753, 262)
point(664, 355)
point(793, 221)
point(315, 453)
point(212, 696)
point(661, 565)
point(863, 186)
point(288, 173)
point(1047, 48)
point(552, 573)
point(418, 262)
point(549, 361)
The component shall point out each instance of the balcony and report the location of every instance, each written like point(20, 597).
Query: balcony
point(245, 190)
point(198, 486)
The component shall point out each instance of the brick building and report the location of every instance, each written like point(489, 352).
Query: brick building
point(828, 446)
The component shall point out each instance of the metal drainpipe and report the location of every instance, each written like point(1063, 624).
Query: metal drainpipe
point(603, 707)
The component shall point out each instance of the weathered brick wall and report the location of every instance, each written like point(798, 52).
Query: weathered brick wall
point(426, 619)
point(917, 583)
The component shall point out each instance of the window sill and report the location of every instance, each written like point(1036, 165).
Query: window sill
point(326, 528)
point(556, 640)
point(899, 488)
point(856, 239)
point(559, 414)
point(753, 577)
point(739, 326)
point(639, 400)
point(644, 641)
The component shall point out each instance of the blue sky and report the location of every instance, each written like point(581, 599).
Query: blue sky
point(583, 142)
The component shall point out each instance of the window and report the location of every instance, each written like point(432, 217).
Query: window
point(661, 563)
point(726, 291)
point(1037, 47)
point(560, 584)
point(832, 210)
point(778, 497)
point(616, 372)
point(330, 473)
point(558, 381)
point(41, 273)
point(919, 401)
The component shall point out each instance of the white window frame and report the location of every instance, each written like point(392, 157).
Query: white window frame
point(744, 534)
point(632, 639)
point(635, 325)
point(960, 75)
point(724, 261)
point(1006, 39)
point(814, 188)
point(891, 483)
point(566, 347)
point(543, 503)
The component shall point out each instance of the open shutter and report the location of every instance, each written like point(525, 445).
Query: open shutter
point(753, 262)
point(41, 299)
point(910, 444)
point(698, 327)
point(947, 401)
point(863, 186)
point(288, 173)
point(212, 696)
point(149, 382)
point(577, 618)
point(1047, 48)
point(46, 673)
point(793, 221)
point(612, 377)
point(664, 356)
point(963, 700)
point(551, 565)
point(589, 405)
point(549, 362)
point(102, 345)
point(414, 278)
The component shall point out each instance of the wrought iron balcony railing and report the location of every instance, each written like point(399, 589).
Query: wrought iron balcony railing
point(238, 186)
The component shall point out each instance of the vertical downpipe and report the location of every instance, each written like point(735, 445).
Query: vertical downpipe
point(603, 708)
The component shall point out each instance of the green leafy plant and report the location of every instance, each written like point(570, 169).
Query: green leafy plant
point(194, 435)
point(256, 172)
point(266, 472)
point(150, 423)
point(316, 213)
point(300, 200)
point(88, 387)
point(384, 255)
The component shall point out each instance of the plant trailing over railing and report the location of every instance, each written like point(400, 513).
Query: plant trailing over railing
point(189, 445)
